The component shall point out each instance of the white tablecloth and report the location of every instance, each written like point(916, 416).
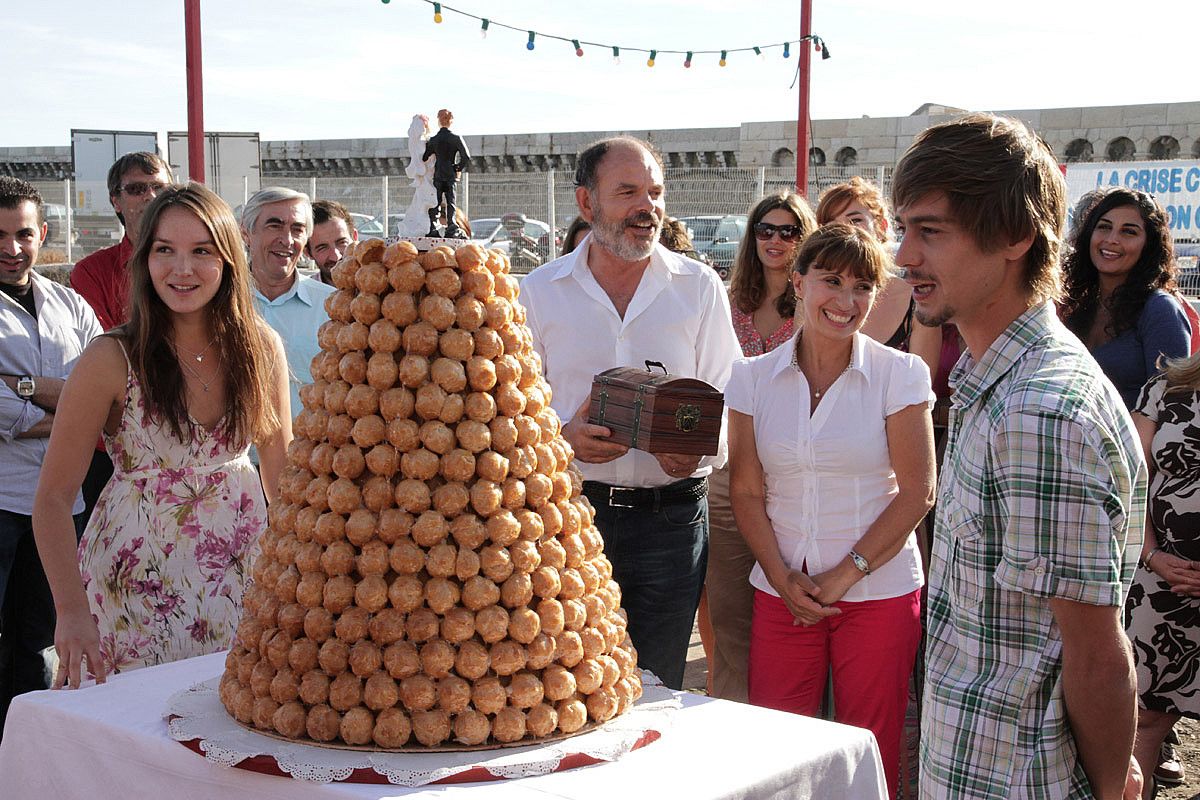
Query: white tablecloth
point(111, 741)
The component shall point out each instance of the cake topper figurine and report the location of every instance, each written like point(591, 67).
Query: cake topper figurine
point(452, 158)
point(421, 170)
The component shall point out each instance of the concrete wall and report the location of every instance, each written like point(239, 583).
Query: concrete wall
point(874, 141)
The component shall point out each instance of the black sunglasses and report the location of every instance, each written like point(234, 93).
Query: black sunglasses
point(764, 230)
point(139, 188)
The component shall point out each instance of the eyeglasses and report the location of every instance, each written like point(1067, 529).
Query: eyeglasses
point(139, 188)
point(764, 230)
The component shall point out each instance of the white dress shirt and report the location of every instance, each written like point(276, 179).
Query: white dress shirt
point(48, 347)
point(829, 476)
point(679, 316)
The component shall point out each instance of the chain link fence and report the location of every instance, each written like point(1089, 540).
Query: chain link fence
point(544, 196)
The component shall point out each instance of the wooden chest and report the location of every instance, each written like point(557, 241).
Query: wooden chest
point(657, 412)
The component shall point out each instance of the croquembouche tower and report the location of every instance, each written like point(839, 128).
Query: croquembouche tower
point(431, 575)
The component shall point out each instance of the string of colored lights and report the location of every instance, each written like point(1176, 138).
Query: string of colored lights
point(577, 44)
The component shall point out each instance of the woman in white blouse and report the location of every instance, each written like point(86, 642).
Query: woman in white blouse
point(831, 453)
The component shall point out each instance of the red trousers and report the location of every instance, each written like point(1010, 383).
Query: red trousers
point(871, 647)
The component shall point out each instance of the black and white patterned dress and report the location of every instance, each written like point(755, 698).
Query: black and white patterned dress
point(1165, 627)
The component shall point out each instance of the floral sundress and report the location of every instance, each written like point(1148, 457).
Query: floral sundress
point(169, 547)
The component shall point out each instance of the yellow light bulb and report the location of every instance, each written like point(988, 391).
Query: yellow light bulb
point(437, 17)
point(722, 62)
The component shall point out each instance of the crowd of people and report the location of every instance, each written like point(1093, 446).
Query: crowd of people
point(981, 438)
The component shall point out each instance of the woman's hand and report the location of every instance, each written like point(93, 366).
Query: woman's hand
point(799, 593)
point(75, 638)
point(834, 584)
point(1181, 574)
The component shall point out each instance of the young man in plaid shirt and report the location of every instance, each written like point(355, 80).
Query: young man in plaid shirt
point(1030, 688)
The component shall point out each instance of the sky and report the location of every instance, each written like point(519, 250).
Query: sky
point(332, 69)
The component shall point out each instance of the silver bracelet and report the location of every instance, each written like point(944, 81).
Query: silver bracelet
point(1146, 560)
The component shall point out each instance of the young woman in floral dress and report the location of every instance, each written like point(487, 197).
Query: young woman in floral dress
point(180, 393)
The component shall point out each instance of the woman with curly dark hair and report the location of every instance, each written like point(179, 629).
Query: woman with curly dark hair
point(1119, 283)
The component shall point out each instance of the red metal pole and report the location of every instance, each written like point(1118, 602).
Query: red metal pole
point(195, 90)
point(802, 133)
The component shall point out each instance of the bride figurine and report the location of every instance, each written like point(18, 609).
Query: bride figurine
point(421, 172)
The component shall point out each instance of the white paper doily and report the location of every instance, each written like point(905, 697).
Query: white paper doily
point(197, 714)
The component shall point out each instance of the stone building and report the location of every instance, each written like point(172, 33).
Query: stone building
point(1103, 133)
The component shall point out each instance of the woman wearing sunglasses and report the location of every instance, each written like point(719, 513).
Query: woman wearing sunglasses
point(1119, 279)
point(763, 307)
point(831, 465)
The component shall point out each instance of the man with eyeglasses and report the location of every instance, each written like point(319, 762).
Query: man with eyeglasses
point(134, 180)
point(102, 278)
point(622, 299)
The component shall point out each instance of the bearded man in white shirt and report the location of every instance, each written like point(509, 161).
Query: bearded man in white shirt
point(621, 299)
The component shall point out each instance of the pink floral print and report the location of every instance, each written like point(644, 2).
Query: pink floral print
point(169, 547)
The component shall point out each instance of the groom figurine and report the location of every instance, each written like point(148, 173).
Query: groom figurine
point(452, 158)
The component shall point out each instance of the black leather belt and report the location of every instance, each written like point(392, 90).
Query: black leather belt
point(654, 497)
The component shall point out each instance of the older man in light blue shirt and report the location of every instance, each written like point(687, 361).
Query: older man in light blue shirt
point(276, 223)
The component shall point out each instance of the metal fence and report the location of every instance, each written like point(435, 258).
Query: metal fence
point(546, 196)
point(550, 196)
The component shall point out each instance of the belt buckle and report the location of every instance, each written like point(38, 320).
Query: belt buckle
point(612, 497)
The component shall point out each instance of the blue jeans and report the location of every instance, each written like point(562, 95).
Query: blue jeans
point(27, 611)
point(659, 558)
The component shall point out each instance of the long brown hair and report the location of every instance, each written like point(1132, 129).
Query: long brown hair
point(748, 286)
point(240, 335)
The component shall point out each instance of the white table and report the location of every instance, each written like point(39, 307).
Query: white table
point(111, 741)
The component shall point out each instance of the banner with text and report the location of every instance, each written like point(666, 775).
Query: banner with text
point(1174, 184)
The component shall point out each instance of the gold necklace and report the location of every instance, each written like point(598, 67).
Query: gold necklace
point(198, 356)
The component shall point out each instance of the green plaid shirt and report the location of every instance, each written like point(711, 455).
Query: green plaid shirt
point(1043, 492)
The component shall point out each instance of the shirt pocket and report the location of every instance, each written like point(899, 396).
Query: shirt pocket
point(970, 563)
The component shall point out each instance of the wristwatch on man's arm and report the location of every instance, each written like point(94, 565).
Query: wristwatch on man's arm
point(26, 387)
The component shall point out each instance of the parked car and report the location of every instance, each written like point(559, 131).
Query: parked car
point(360, 221)
point(488, 232)
point(717, 236)
point(56, 224)
point(374, 226)
point(1187, 266)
